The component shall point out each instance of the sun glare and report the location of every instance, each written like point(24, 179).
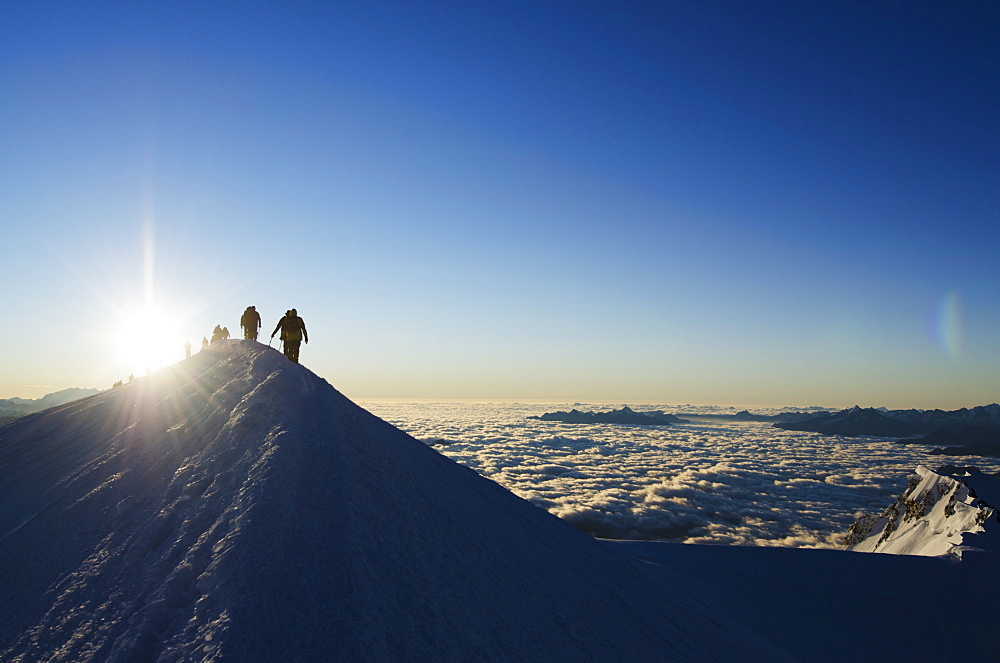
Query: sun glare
point(148, 339)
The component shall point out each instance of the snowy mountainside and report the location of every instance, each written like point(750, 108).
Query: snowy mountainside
point(831, 606)
point(236, 507)
point(939, 513)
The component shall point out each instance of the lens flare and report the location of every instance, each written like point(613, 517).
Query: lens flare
point(947, 325)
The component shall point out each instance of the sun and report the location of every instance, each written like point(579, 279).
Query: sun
point(148, 339)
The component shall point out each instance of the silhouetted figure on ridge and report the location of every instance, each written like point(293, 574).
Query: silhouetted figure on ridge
point(293, 332)
point(204, 342)
point(281, 337)
point(250, 321)
point(217, 333)
point(187, 349)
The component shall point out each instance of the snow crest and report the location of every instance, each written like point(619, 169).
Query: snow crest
point(235, 506)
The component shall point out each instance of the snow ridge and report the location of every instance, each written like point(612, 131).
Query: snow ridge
point(237, 507)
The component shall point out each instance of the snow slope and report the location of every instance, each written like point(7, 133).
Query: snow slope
point(236, 507)
point(832, 606)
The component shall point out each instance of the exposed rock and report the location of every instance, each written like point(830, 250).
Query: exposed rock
point(938, 514)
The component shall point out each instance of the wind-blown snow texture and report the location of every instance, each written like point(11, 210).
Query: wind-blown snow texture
point(235, 507)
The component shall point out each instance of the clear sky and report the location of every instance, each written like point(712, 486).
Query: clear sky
point(767, 203)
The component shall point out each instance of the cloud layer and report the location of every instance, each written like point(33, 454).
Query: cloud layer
point(732, 483)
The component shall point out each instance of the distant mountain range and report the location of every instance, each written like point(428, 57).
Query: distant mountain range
point(966, 431)
point(627, 415)
point(623, 416)
point(980, 425)
point(746, 415)
point(18, 407)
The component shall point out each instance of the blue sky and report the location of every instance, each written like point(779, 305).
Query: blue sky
point(716, 202)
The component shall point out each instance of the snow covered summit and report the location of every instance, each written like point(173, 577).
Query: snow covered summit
point(236, 507)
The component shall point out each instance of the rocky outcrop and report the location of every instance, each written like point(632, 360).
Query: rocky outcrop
point(938, 514)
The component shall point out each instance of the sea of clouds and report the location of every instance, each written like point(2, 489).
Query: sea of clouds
point(720, 483)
